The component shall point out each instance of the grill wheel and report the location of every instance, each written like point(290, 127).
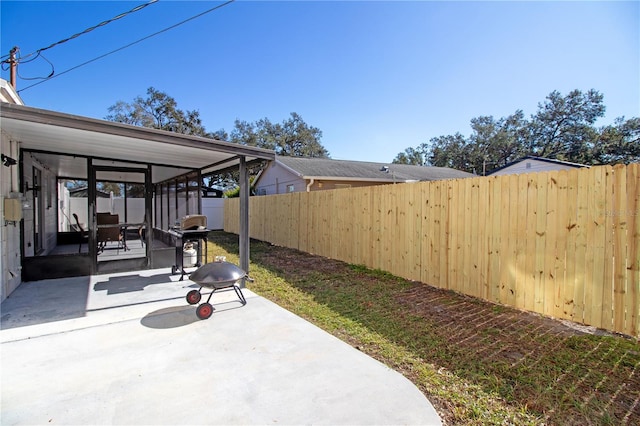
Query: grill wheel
point(193, 297)
point(204, 311)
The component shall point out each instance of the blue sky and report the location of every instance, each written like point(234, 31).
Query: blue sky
point(376, 77)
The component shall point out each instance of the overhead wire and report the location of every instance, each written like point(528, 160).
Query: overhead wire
point(6, 65)
point(131, 44)
point(39, 55)
point(88, 30)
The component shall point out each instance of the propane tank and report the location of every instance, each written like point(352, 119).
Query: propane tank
point(189, 255)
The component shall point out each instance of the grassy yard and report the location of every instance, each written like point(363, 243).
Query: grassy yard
point(478, 363)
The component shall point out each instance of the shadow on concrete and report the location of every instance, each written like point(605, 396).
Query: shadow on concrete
point(39, 302)
point(172, 317)
point(129, 283)
point(179, 316)
point(47, 301)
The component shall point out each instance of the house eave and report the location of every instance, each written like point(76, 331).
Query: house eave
point(38, 130)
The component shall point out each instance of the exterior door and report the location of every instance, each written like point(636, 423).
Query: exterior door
point(120, 209)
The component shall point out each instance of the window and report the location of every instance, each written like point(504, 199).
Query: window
point(290, 188)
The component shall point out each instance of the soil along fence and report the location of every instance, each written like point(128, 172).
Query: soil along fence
point(564, 244)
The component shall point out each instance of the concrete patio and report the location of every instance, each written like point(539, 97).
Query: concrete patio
point(127, 349)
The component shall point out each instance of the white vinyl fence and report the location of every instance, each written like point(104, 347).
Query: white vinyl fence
point(213, 208)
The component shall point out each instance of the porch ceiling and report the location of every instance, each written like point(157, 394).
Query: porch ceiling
point(52, 133)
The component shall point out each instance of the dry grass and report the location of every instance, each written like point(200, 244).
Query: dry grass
point(477, 362)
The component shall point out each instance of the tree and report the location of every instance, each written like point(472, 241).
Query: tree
point(450, 151)
point(562, 128)
point(75, 183)
point(618, 143)
point(116, 188)
point(293, 137)
point(160, 111)
point(234, 192)
point(495, 143)
point(413, 156)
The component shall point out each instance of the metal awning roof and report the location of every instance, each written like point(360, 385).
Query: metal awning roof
point(62, 142)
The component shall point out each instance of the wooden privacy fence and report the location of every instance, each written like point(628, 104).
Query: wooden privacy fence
point(564, 244)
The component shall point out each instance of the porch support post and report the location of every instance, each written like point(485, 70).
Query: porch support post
point(148, 220)
point(244, 217)
point(91, 215)
point(199, 190)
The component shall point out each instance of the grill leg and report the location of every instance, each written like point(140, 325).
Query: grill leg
point(238, 291)
point(210, 294)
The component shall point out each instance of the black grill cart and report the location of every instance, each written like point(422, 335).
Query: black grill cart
point(196, 237)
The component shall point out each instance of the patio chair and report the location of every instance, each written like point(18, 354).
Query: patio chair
point(84, 234)
point(102, 217)
point(108, 234)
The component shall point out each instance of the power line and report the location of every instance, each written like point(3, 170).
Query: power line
point(88, 30)
point(39, 55)
point(131, 44)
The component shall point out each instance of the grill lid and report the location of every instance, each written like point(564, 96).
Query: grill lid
point(217, 272)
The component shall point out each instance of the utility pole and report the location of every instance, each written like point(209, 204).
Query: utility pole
point(13, 65)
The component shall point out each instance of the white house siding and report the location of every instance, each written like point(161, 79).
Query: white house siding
point(531, 166)
point(8, 94)
point(276, 180)
point(9, 180)
point(9, 233)
point(49, 211)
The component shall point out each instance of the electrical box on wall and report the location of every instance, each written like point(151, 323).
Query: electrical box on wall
point(12, 210)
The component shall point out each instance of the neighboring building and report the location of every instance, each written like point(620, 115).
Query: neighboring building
point(83, 192)
point(8, 94)
point(532, 164)
point(298, 174)
point(211, 192)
